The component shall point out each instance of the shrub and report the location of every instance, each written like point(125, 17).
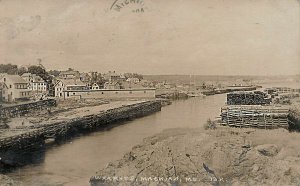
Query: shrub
point(210, 124)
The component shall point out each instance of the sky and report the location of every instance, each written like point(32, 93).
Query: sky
point(203, 37)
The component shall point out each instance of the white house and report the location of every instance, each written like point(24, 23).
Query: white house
point(36, 83)
point(68, 84)
point(14, 88)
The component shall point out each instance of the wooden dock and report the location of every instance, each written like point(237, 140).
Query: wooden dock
point(267, 117)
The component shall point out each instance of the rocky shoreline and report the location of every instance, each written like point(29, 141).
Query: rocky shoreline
point(224, 156)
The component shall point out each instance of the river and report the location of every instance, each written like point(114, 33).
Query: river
point(75, 161)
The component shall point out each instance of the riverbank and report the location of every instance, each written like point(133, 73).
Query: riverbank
point(14, 143)
point(7, 181)
point(223, 156)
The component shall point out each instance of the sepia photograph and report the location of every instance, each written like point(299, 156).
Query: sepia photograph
point(149, 92)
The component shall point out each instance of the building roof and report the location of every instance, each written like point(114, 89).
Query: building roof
point(2, 74)
point(133, 79)
point(26, 74)
point(71, 82)
point(15, 78)
point(37, 78)
point(2, 85)
point(112, 83)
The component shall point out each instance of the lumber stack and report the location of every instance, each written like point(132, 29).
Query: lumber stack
point(247, 98)
point(267, 117)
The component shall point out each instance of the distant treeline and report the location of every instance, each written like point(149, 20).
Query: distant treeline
point(12, 69)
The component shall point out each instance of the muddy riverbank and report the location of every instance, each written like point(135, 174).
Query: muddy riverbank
point(205, 157)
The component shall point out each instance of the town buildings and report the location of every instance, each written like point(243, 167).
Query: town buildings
point(69, 74)
point(112, 77)
point(35, 82)
point(14, 88)
point(68, 84)
point(112, 85)
point(133, 80)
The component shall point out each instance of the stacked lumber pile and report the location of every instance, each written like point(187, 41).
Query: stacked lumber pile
point(267, 117)
point(247, 98)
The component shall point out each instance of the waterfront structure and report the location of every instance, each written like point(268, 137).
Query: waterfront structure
point(14, 88)
point(68, 84)
point(35, 82)
point(142, 93)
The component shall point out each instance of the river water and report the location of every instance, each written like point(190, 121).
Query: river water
point(75, 161)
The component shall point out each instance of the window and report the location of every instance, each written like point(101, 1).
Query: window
point(102, 92)
point(145, 92)
point(130, 92)
point(73, 93)
point(10, 86)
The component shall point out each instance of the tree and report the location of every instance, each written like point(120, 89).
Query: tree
point(54, 73)
point(8, 68)
point(22, 70)
point(38, 70)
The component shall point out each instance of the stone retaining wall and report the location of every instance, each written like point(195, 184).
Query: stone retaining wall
point(21, 109)
point(12, 148)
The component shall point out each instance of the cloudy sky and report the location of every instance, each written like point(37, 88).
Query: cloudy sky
point(206, 37)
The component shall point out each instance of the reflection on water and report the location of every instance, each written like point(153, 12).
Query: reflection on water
point(74, 162)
